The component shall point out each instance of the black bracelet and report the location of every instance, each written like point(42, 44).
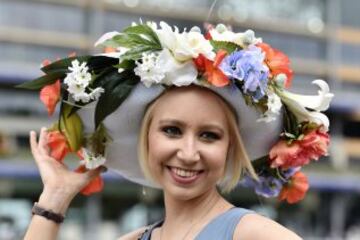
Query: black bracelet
point(48, 214)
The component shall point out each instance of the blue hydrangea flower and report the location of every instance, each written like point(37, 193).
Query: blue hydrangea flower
point(247, 66)
point(266, 186)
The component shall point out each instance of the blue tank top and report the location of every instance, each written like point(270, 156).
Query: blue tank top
point(221, 227)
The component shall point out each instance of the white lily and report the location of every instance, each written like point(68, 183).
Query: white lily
point(298, 104)
point(186, 45)
point(317, 103)
point(176, 73)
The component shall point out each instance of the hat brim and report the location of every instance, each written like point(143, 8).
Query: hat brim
point(124, 124)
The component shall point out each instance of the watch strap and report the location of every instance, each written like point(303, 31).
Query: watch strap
point(48, 214)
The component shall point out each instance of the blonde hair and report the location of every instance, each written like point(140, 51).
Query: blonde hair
point(237, 162)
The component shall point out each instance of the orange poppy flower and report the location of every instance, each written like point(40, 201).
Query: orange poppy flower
point(58, 145)
point(296, 189)
point(277, 62)
point(50, 95)
point(210, 69)
point(96, 185)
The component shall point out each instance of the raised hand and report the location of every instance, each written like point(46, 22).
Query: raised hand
point(60, 184)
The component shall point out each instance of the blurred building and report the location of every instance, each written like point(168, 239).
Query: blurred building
point(321, 37)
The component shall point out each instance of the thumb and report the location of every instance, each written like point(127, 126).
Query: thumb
point(93, 173)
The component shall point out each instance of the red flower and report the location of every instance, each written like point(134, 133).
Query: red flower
point(295, 189)
point(50, 95)
point(210, 69)
point(58, 144)
point(96, 185)
point(277, 62)
point(299, 152)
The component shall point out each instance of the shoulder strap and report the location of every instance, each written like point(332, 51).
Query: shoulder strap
point(223, 226)
point(147, 233)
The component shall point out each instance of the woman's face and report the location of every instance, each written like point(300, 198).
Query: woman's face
point(188, 142)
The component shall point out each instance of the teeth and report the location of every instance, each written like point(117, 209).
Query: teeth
point(184, 173)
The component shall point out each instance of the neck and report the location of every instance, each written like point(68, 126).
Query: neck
point(180, 211)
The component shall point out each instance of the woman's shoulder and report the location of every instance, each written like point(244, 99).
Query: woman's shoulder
point(254, 226)
point(134, 235)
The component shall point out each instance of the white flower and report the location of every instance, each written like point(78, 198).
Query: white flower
point(95, 94)
point(221, 33)
point(77, 81)
point(165, 69)
point(317, 103)
point(149, 70)
point(191, 44)
point(298, 104)
point(81, 96)
point(77, 68)
point(274, 105)
point(78, 74)
point(91, 161)
point(176, 73)
point(185, 45)
point(75, 89)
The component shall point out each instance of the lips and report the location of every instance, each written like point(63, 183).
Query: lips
point(184, 176)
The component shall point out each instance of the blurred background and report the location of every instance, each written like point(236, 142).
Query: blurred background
point(321, 37)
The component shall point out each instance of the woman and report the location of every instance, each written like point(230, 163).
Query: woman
point(192, 95)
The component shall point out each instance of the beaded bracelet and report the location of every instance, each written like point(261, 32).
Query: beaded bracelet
point(48, 214)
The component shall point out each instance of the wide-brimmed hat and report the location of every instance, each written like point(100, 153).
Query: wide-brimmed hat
point(104, 98)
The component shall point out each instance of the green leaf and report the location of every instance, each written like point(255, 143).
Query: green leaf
point(229, 47)
point(131, 40)
point(63, 64)
point(126, 64)
point(290, 122)
point(72, 127)
point(117, 87)
point(100, 63)
point(136, 53)
point(260, 163)
point(145, 30)
point(40, 82)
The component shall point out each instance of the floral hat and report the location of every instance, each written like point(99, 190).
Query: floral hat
point(103, 98)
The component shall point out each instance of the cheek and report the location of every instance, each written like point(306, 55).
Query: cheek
point(160, 148)
point(216, 156)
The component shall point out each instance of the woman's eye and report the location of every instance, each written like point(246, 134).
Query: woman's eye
point(171, 131)
point(210, 136)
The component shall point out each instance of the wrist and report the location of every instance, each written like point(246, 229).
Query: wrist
point(57, 201)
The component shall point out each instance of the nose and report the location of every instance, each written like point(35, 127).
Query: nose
point(188, 150)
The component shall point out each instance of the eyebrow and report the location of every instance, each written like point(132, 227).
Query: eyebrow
point(182, 124)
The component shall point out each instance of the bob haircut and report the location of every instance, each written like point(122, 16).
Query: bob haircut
point(237, 162)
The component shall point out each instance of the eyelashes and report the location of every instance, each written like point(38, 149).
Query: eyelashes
point(175, 132)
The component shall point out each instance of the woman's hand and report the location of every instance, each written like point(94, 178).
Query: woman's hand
point(60, 184)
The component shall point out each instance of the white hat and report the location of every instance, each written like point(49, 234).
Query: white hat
point(282, 131)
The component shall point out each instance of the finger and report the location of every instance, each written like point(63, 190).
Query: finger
point(43, 147)
point(33, 144)
point(93, 173)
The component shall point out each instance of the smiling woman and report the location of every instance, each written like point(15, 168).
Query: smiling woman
point(216, 123)
point(184, 112)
